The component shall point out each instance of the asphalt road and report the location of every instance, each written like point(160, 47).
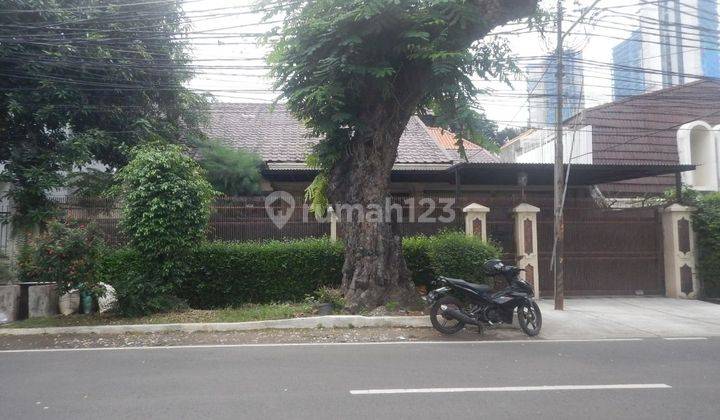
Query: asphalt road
point(669, 379)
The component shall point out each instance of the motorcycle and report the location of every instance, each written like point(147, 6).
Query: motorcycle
point(458, 303)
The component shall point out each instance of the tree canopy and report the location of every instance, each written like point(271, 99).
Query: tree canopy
point(87, 80)
point(355, 71)
point(230, 171)
point(336, 58)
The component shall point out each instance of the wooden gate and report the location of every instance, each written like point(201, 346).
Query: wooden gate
point(607, 251)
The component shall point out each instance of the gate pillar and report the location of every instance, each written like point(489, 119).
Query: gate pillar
point(333, 224)
point(526, 247)
point(476, 220)
point(679, 252)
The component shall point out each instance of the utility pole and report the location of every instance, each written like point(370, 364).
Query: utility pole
point(559, 227)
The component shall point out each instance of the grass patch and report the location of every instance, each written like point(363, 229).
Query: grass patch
point(249, 312)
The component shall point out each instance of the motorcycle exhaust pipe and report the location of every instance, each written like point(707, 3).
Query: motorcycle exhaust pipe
point(459, 315)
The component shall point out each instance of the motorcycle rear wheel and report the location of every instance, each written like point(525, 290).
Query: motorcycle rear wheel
point(440, 322)
point(530, 319)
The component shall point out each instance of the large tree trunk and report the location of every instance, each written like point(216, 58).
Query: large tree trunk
point(374, 272)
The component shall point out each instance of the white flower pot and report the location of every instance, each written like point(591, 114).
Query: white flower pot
point(69, 303)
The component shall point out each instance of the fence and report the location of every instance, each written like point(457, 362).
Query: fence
point(4, 229)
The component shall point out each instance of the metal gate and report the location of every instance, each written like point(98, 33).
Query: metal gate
point(607, 251)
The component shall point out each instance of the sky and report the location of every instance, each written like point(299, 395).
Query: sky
point(226, 61)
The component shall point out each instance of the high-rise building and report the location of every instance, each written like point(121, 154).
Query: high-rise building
point(677, 42)
point(627, 80)
point(542, 89)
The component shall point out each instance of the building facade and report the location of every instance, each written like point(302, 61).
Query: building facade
point(542, 89)
point(679, 125)
point(676, 43)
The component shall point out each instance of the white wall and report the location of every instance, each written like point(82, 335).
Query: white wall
point(699, 144)
point(541, 147)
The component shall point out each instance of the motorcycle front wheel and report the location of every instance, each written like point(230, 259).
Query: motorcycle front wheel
point(529, 318)
point(444, 323)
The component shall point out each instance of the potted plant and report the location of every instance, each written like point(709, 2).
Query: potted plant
point(66, 255)
point(89, 293)
point(69, 302)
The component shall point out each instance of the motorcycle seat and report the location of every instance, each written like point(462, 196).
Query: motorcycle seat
point(478, 288)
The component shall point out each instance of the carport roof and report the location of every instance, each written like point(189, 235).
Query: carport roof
point(542, 173)
point(497, 173)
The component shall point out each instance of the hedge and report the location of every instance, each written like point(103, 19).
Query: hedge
point(229, 274)
point(225, 274)
point(707, 226)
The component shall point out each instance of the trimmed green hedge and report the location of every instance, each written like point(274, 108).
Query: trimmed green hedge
point(707, 226)
point(450, 254)
point(229, 274)
point(225, 274)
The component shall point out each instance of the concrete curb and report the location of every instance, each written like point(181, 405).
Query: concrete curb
point(331, 321)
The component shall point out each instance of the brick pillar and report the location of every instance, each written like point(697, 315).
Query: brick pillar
point(476, 220)
point(526, 246)
point(679, 252)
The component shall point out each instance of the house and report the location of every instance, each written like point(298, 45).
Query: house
point(674, 126)
point(427, 163)
point(607, 251)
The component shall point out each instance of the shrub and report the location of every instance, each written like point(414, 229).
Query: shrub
point(231, 274)
point(64, 255)
point(165, 214)
point(707, 226)
point(135, 289)
point(415, 251)
point(325, 294)
point(6, 275)
point(454, 254)
point(225, 274)
point(166, 201)
point(451, 254)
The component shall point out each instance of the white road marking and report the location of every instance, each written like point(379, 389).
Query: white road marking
point(684, 338)
point(382, 343)
point(508, 389)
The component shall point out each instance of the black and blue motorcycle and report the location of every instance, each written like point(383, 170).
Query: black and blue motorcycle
point(458, 303)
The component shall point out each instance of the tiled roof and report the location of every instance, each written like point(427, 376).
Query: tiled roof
point(277, 136)
point(475, 153)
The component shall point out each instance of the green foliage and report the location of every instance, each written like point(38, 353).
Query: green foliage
point(166, 201)
point(342, 65)
point(6, 274)
point(706, 222)
point(451, 254)
point(89, 87)
point(65, 255)
point(325, 294)
point(415, 251)
point(230, 171)
point(225, 274)
point(138, 291)
point(165, 214)
point(220, 274)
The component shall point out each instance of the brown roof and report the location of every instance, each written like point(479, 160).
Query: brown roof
point(475, 153)
point(278, 137)
point(643, 129)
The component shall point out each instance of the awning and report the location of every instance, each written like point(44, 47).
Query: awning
point(542, 173)
point(496, 173)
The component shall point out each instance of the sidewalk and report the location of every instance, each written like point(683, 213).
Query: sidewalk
point(630, 317)
point(583, 318)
